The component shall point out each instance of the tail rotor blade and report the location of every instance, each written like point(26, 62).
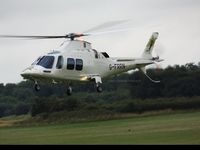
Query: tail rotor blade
point(159, 49)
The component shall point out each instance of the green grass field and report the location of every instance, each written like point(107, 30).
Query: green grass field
point(178, 128)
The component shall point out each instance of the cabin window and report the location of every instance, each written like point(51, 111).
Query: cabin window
point(95, 54)
point(70, 64)
point(79, 64)
point(46, 62)
point(105, 55)
point(60, 62)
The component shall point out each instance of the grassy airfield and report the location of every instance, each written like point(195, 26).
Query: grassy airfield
point(176, 128)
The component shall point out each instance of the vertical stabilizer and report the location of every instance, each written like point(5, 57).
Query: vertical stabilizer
point(147, 54)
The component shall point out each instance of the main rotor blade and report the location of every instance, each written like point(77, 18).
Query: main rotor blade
point(111, 31)
point(106, 25)
point(104, 28)
point(32, 37)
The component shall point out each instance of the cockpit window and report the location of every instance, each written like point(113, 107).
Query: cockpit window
point(37, 60)
point(46, 62)
point(60, 62)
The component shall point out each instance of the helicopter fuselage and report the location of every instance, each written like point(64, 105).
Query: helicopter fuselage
point(79, 62)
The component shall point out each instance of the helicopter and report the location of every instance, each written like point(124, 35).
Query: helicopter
point(76, 60)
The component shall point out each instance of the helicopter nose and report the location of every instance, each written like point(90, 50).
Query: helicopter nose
point(30, 72)
point(26, 73)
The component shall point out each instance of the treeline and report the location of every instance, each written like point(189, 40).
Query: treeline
point(176, 81)
point(179, 89)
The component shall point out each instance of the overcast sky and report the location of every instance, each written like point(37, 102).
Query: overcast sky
point(177, 21)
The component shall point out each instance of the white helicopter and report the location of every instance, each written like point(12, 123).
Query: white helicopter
point(76, 60)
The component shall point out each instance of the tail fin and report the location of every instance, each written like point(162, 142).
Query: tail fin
point(149, 47)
